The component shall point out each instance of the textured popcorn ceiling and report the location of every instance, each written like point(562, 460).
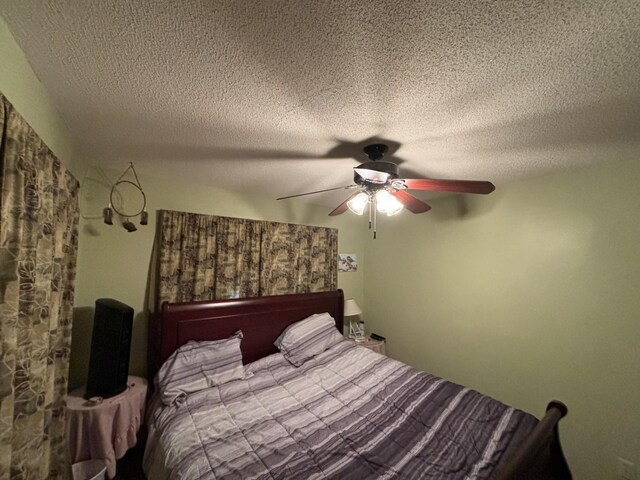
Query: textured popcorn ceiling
point(257, 95)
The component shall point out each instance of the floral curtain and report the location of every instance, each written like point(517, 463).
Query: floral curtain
point(38, 246)
point(298, 259)
point(202, 257)
point(206, 257)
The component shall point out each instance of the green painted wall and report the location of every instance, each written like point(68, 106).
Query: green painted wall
point(115, 263)
point(20, 85)
point(528, 294)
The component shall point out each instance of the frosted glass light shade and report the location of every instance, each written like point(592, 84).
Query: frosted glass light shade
point(358, 203)
point(387, 203)
point(351, 308)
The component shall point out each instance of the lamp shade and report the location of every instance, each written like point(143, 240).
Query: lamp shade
point(351, 308)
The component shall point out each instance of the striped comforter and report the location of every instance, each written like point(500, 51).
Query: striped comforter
point(347, 413)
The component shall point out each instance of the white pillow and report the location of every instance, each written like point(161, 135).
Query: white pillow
point(307, 338)
point(199, 365)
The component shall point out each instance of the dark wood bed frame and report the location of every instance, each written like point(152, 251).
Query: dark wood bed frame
point(262, 319)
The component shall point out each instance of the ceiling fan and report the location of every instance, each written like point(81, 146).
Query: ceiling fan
point(379, 187)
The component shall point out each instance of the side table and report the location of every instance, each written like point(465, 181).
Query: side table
point(373, 345)
point(108, 429)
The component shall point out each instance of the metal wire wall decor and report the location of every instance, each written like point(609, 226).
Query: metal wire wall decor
point(108, 212)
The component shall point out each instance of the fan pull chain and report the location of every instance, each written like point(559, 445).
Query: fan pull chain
point(369, 215)
point(375, 217)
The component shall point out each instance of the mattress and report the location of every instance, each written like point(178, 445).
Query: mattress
point(348, 413)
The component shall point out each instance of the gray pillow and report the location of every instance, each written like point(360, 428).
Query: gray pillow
point(199, 365)
point(307, 338)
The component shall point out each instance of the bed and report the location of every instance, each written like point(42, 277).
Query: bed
point(345, 413)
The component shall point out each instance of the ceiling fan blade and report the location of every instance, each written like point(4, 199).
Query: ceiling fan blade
point(318, 191)
point(340, 209)
point(410, 202)
point(463, 186)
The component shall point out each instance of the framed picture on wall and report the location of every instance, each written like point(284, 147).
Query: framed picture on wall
point(347, 262)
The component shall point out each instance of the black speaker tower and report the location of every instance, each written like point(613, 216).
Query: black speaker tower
point(110, 349)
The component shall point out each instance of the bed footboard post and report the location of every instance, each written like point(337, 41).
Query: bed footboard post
point(556, 455)
point(540, 456)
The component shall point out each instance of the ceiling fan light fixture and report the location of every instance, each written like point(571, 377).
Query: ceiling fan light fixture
point(358, 203)
point(387, 203)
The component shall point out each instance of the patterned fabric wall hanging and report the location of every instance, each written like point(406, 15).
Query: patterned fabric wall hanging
point(206, 257)
point(38, 246)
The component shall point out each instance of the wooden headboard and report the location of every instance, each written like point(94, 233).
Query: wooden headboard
point(261, 319)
